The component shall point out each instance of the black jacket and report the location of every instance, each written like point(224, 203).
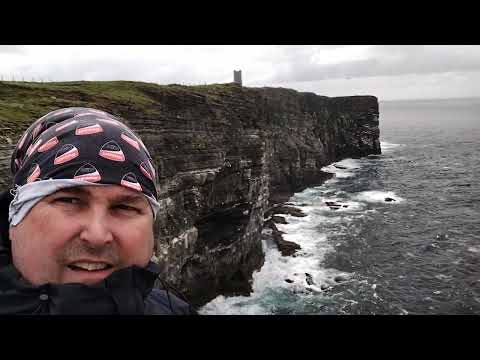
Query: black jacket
point(131, 290)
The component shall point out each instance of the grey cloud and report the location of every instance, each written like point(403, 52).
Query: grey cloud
point(12, 49)
point(384, 61)
point(114, 69)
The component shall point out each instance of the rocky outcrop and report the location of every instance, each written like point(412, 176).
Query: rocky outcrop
point(284, 209)
point(225, 155)
point(286, 248)
point(279, 220)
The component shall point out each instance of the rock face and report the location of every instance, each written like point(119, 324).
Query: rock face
point(286, 248)
point(283, 209)
point(225, 155)
point(279, 220)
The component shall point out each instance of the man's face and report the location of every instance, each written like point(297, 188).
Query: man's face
point(83, 234)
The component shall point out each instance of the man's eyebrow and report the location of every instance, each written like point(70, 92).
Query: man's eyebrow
point(73, 190)
point(129, 198)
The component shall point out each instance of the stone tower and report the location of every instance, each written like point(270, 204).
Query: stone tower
point(237, 77)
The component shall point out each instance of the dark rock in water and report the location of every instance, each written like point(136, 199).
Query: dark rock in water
point(340, 167)
point(389, 199)
point(309, 279)
point(287, 248)
point(282, 209)
point(345, 206)
point(279, 220)
point(441, 237)
point(289, 281)
point(431, 247)
point(333, 205)
point(340, 278)
point(464, 185)
point(324, 287)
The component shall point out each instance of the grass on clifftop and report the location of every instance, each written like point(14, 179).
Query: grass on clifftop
point(23, 102)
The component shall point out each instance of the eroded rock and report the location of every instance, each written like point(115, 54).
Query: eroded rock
point(279, 220)
point(340, 278)
point(283, 209)
point(309, 279)
point(224, 154)
point(286, 248)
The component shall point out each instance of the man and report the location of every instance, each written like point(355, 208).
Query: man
point(76, 229)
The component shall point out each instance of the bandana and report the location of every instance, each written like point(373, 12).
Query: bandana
point(75, 147)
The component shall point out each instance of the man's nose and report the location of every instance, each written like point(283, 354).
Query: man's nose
point(96, 230)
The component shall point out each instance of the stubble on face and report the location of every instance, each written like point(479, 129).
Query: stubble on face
point(53, 237)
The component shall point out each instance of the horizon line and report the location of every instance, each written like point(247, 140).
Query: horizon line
point(432, 98)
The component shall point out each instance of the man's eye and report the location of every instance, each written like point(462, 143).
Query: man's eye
point(127, 208)
point(67, 200)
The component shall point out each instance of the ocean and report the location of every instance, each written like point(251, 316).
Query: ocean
point(418, 253)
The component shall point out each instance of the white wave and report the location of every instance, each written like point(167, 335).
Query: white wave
point(269, 283)
point(474, 249)
point(330, 181)
point(347, 206)
point(320, 207)
point(323, 214)
point(270, 288)
point(339, 173)
point(349, 163)
point(386, 146)
point(307, 195)
point(232, 306)
point(314, 197)
point(376, 196)
point(313, 201)
point(343, 169)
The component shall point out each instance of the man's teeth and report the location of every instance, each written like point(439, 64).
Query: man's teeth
point(90, 266)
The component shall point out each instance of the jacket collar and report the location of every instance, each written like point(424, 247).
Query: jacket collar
point(5, 255)
point(123, 292)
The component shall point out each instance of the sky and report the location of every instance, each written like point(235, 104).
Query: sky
point(389, 72)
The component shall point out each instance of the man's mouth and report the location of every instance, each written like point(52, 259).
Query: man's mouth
point(89, 266)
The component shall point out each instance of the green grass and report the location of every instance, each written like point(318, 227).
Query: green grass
point(212, 87)
point(23, 102)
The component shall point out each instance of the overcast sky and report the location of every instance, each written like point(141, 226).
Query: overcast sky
point(389, 72)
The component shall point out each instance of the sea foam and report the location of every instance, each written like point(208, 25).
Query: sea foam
point(376, 196)
point(386, 146)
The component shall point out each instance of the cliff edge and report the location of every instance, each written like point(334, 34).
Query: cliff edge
point(225, 155)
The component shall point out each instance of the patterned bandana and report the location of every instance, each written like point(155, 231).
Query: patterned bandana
point(83, 144)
